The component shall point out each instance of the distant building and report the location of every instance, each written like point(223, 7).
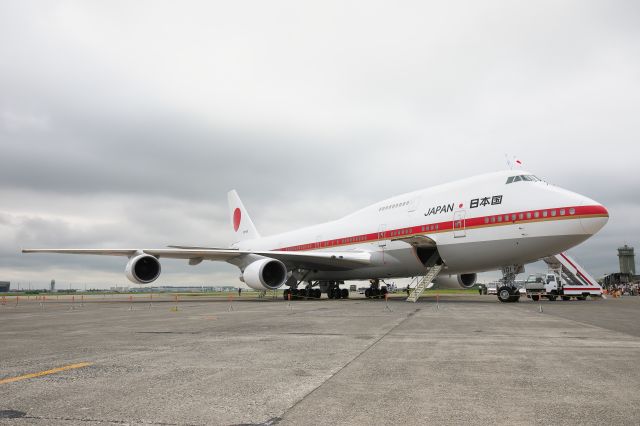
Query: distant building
point(53, 286)
point(4, 286)
point(627, 260)
point(616, 278)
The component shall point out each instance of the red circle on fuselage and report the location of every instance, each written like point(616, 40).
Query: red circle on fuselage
point(236, 219)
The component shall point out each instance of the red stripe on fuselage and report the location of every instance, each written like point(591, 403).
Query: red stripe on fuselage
point(527, 216)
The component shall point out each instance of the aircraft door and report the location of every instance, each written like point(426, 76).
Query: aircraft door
point(382, 230)
point(382, 242)
point(459, 226)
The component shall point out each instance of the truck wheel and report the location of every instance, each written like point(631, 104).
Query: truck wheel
point(535, 297)
point(551, 297)
point(581, 297)
point(566, 297)
point(504, 294)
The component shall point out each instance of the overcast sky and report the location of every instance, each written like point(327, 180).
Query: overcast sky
point(124, 124)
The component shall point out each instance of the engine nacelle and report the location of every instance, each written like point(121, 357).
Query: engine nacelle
point(143, 269)
point(265, 274)
point(456, 281)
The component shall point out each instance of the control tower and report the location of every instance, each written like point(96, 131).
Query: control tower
point(627, 260)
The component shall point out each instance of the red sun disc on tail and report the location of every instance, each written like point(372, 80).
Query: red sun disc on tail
point(236, 219)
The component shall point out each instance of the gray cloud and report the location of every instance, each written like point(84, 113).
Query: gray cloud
point(126, 124)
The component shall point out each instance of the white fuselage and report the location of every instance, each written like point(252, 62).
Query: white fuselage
point(477, 224)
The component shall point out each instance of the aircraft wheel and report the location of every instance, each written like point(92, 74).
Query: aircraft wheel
point(504, 294)
point(375, 292)
point(384, 290)
point(336, 293)
point(344, 293)
point(367, 293)
point(535, 297)
point(285, 294)
point(302, 293)
point(317, 293)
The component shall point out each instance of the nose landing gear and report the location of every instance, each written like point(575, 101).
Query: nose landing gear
point(508, 292)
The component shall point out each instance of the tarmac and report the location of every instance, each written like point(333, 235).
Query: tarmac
point(464, 359)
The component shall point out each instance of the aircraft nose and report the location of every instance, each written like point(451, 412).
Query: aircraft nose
point(594, 216)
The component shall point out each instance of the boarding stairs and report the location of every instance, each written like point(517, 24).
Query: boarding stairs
point(578, 280)
point(427, 280)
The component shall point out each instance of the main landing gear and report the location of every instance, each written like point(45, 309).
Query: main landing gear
point(508, 292)
point(308, 292)
point(335, 292)
point(303, 293)
point(332, 288)
point(375, 291)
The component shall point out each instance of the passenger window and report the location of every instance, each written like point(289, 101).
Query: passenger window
point(553, 212)
point(536, 214)
point(572, 211)
point(528, 215)
point(499, 218)
point(520, 216)
point(562, 212)
point(486, 220)
point(545, 213)
point(513, 217)
point(493, 219)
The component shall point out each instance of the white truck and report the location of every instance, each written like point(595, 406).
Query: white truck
point(552, 285)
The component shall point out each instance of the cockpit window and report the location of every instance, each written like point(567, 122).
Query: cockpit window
point(523, 178)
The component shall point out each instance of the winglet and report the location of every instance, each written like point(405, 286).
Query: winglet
point(241, 223)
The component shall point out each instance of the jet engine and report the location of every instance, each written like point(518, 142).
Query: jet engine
point(265, 274)
point(456, 281)
point(143, 269)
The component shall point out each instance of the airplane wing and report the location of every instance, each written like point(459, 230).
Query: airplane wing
point(331, 261)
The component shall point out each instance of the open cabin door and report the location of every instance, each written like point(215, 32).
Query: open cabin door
point(459, 226)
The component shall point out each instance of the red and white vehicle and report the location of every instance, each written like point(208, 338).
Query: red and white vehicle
point(565, 279)
point(499, 220)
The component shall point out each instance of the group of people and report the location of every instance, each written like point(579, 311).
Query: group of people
point(618, 290)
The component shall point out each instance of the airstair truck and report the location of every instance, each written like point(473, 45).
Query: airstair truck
point(565, 278)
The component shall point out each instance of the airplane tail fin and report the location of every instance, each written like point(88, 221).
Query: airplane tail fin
point(241, 222)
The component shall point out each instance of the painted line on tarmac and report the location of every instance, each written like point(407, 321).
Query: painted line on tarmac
point(45, 373)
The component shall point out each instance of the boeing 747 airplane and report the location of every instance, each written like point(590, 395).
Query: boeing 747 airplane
point(500, 220)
